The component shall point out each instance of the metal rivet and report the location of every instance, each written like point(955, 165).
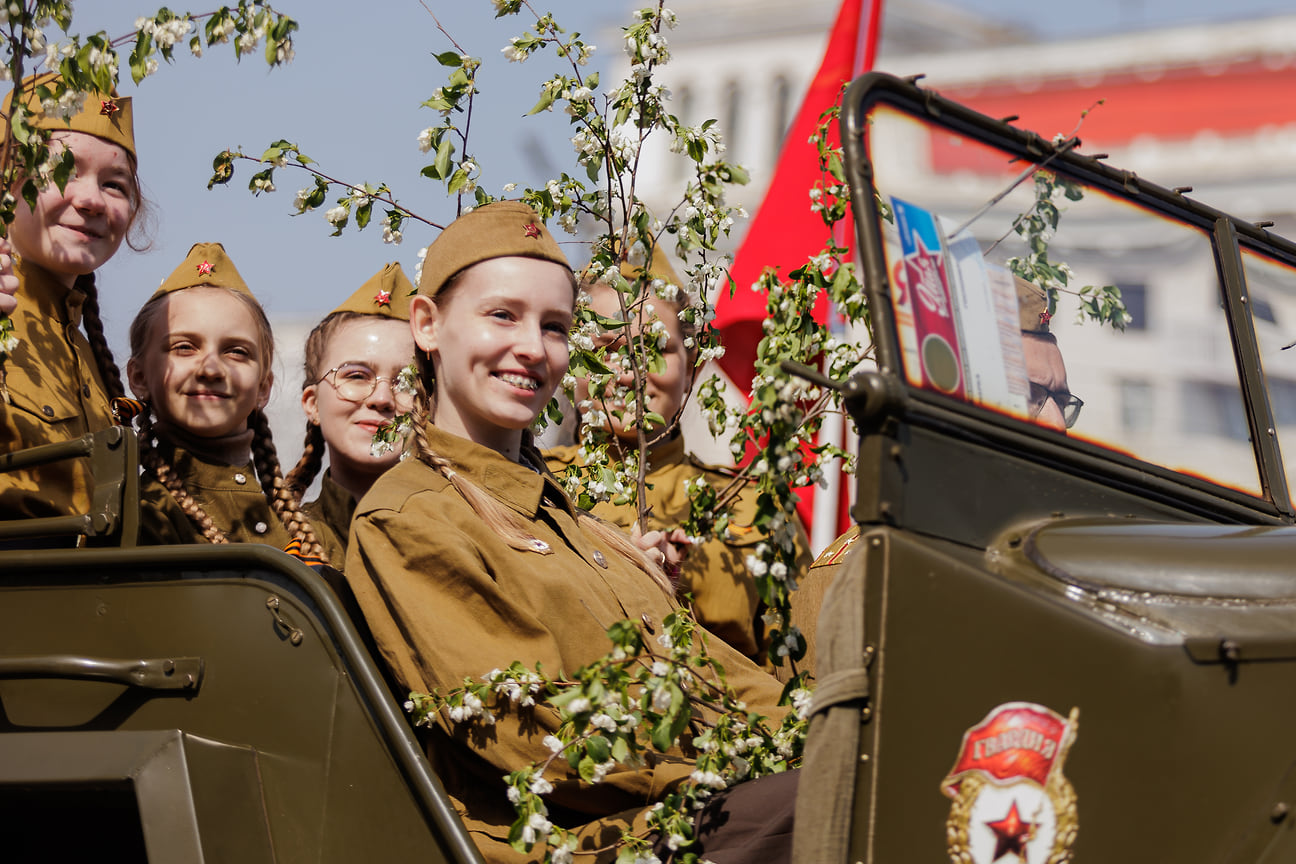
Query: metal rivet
point(240, 478)
point(600, 559)
point(260, 527)
point(47, 411)
point(866, 712)
point(647, 622)
point(1279, 812)
point(864, 757)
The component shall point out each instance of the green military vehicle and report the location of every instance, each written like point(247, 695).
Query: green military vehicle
point(1055, 643)
point(1045, 644)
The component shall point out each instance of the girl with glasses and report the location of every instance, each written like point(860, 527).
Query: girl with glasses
point(353, 359)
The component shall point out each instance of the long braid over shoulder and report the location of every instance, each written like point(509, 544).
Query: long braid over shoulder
point(285, 504)
point(174, 484)
point(303, 474)
point(93, 322)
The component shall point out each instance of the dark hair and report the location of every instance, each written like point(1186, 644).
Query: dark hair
point(264, 456)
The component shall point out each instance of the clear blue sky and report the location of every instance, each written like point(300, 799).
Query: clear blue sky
point(351, 100)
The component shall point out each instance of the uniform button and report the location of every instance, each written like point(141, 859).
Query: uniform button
point(47, 411)
point(240, 478)
point(260, 527)
point(647, 622)
point(599, 559)
point(85, 390)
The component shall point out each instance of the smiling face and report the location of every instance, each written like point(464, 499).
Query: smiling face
point(665, 389)
point(366, 347)
point(73, 232)
point(498, 341)
point(203, 362)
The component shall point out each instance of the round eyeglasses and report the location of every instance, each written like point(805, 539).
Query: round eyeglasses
point(1068, 403)
point(355, 382)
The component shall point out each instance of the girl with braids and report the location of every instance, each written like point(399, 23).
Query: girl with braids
point(714, 573)
point(201, 350)
point(471, 556)
point(59, 379)
point(353, 360)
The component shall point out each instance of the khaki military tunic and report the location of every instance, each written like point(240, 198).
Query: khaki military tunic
point(55, 394)
point(447, 599)
point(330, 516)
point(715, 572)
point(808, 599)
point(230, 494)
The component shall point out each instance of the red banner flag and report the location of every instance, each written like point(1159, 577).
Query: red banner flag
point(785, 233)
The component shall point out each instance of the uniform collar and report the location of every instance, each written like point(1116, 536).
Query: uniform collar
point(47, 296)
point(519, 486)
point(334, 499)
point(232, 449)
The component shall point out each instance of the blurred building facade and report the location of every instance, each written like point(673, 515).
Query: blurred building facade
point(1205, 106)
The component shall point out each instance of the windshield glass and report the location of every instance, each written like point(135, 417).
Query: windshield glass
point(1016, 305)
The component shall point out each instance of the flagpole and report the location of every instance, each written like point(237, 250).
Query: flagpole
point(827, 516)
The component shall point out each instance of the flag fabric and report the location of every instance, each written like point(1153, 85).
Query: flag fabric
point(784, 232)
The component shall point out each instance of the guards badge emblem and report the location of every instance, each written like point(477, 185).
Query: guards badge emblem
point(1011, 802)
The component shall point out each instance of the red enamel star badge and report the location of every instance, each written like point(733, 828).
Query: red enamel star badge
point(205, 268)
point(1045, 318)
point(1012, 833)
point(532, 230)
point(383, 298)
point(107, 107)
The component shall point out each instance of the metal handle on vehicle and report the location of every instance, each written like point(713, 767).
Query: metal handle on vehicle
point(173, 673)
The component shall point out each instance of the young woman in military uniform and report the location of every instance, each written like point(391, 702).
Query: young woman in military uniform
point(353, 358)
point(714, 572)
point(61, 374)
point(201, 354)
point(471, 556)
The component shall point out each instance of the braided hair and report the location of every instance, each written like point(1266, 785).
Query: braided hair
point(264, 456)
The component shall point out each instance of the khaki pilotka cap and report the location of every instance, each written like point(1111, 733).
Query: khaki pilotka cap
point(104, 116)
point(386, 293)
point(207, 264)
point(1032, 306)
point(503, 229)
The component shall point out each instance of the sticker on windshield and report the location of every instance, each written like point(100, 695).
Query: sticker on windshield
point(1011, 801)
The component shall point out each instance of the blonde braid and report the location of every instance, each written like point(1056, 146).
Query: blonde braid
point(173, 483)
point(284, 503)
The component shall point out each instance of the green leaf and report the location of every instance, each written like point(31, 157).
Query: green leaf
point(449, 58)
point(546, 99)
point(444, 152)
point(598, 749)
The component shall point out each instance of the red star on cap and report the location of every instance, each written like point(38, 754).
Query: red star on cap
point(1012, 833)
point(108, 106)
point(1045, 317)
point(532, 230)
point(383, 298)
point(205, 268)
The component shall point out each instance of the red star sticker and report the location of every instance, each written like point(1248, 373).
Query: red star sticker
point(1012, 833)
point(205, 268)
point(108, 107)
point(383, 298)
point(532, 230)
